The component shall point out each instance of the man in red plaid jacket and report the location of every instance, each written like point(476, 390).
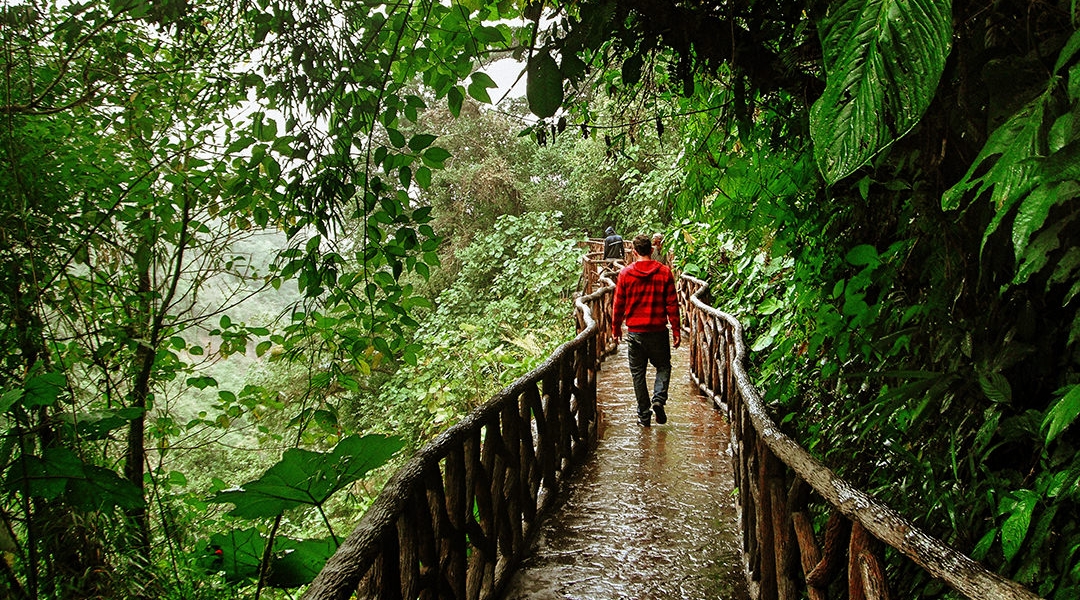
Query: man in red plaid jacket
point(645, 299)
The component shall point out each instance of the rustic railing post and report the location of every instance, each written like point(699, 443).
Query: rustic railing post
point(549, 435)
point(456, 514)
point(763, 515)
point(783, 531)
point(809, 553)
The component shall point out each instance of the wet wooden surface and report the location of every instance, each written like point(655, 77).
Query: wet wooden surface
point(651, 516)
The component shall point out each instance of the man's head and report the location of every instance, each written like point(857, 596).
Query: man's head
point(610, 231)
point(657, 239)
point(642, 245)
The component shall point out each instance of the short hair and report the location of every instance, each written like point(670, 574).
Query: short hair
point(658, 238)
point(642, 245)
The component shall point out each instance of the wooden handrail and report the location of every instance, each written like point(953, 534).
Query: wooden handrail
point(458, 517)
point(774, 476)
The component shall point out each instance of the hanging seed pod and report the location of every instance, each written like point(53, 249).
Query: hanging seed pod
point(584, 131)
point(659, 128)
point(562, 124)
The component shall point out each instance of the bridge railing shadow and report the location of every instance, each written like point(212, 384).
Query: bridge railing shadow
point(777, 479)
point(457, 518)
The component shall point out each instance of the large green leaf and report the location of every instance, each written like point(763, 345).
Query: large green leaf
point(1010, 149)
point(237, 552)
point(544, 85)
point(1062, 414)
point(60, 473)
point(44, 389)
point(297, 562)
point(1019, 506)
point(883, 60)
point(303, 477)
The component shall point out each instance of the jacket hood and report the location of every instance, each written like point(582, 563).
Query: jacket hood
point(609, 231)
point(642, 268)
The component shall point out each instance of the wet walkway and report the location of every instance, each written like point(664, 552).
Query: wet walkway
point(651, 516)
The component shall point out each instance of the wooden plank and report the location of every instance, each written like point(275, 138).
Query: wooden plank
point(418, 560)
point(549, 435)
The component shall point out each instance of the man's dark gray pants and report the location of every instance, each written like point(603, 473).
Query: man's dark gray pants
point(644, 348)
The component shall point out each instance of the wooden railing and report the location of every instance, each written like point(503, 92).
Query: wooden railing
point(776, 480)
point(456, 520)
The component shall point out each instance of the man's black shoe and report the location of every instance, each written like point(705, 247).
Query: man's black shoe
point(646, 422)
point(661, 416)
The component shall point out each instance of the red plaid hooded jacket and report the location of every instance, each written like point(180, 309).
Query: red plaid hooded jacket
point(645, 298)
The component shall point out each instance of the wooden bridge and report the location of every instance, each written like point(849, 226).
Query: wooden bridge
point(457, 520)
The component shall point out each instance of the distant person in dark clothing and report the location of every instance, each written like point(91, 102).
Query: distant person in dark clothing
point(645, 299)
point(613, 245)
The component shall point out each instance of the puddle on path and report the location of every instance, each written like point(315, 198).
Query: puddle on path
point(651, 515)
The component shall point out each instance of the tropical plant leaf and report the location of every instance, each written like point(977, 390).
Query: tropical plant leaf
point(863, 255)
point(1072, 47)
point(1038, 253)
point(238, 553)
point(996, 387)
point(306, 478)
point(1013, 173)
point(544, 85)
point(420, 141)
point(60, 473)
point(1062, 414)
point(479, 85)
point(1067, 267)
point(1057, 175)
point(883, 61)
point(1032, 214)
point(9, 398)
point(44, 389)
point(297, 562)
point(1019, 507)
point(983, 545)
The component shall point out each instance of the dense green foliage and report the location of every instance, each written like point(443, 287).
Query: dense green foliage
point(143, 142)
point(217, 237)
point(484, 333)
point(894, 221)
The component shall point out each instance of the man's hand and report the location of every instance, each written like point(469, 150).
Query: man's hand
point(617, 334)
point(676, 337)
